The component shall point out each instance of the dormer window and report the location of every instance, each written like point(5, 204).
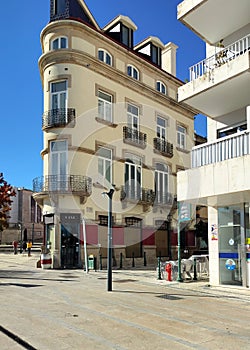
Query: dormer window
point(59, 43)
point(133, 72)
point(121, 29)
point(59, 7)
point(105, 57)
point(161, 87)
point(151, 49)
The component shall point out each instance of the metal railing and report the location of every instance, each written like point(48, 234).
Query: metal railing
point(63, 184)
point(222, 56)
point(224, 148)
point(164, 147)
point(162, 198)
point(134, 136)
point(58, 117)
point(141, 195)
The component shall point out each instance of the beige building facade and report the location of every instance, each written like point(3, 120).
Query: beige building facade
point(111, 120)
point(219, 179)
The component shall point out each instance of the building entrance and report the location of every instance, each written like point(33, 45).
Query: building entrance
point(233, 234)
point(70, 242)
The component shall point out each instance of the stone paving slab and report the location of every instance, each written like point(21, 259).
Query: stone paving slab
point(69, 309)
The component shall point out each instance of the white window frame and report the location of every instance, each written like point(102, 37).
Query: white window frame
point(132, 72)
point(133, 164)
point(161, 130)
point(107, 58)
point(58, 165)
point(133, 118)
point(161, 87)
point(59, 41)
point(59, 99)
point(105, 163)
point(181, 136)
point(105, 108)
point(161, 182)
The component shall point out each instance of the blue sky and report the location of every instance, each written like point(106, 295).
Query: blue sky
point(21, 90)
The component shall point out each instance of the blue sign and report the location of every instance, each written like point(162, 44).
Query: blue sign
point(230, 264)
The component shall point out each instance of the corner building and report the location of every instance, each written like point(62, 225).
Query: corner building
point(219, 87)
point(111, 120)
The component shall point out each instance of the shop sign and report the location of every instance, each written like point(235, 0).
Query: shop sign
point(67, 218)
point(184, 211)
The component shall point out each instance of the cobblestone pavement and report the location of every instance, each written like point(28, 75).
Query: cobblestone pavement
point(69, 309)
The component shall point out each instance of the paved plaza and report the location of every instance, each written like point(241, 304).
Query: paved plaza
point(69, 309)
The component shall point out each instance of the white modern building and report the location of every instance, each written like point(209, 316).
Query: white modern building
point(219, 87)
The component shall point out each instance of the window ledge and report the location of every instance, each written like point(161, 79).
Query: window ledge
point(106, 122)
point(182, 150)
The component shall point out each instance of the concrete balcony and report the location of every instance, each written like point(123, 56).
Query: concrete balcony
point(213, 20)
point(222, 77)
point(221, 173)
point(233, 146)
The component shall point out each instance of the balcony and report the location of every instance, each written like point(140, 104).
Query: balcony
point(163, 147)
point(225, 76)
point(134, 137)
point(58, 118)
point(63, 184)
point(140, 195)
point(236, 145)
point(213, 20)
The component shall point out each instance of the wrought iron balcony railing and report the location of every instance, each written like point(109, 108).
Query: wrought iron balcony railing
point(134, 137)
point(140, 195)
point(59, 117)
point(164, 147)
point(77, 184)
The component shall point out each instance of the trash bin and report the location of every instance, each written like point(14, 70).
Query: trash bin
point(92, 262)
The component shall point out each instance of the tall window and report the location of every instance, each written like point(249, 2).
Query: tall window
point(133, 72)
point(161, 183)
point(59, 43)
point(161, 87)
point(161, 128)
point(133, 117)
point(59, 6)
point(105, 163)
point(58, 159)
point(105, 57)
point(104, 106)
point(133, 170)
point(58, 95)
point(181, 136)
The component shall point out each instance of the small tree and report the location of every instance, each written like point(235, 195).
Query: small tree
point(6, 192)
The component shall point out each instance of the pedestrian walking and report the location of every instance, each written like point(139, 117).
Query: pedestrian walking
point(24, 246)
point(29, 245)
point(15, 244)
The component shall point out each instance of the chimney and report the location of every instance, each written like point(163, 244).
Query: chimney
point(169, 58)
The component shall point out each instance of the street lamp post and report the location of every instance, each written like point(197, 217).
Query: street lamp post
point(110, 195)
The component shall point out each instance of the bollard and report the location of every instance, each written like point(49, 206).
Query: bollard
point(145, 260)
point(195, 270)
point(100, 259)
point(159, 268)
point(169, 272)
point(120, 260)
point(133, 259)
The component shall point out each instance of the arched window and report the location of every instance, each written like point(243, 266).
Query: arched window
point(59, 43)
point(105, 57)
point(133, 72)
point(161, 87)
